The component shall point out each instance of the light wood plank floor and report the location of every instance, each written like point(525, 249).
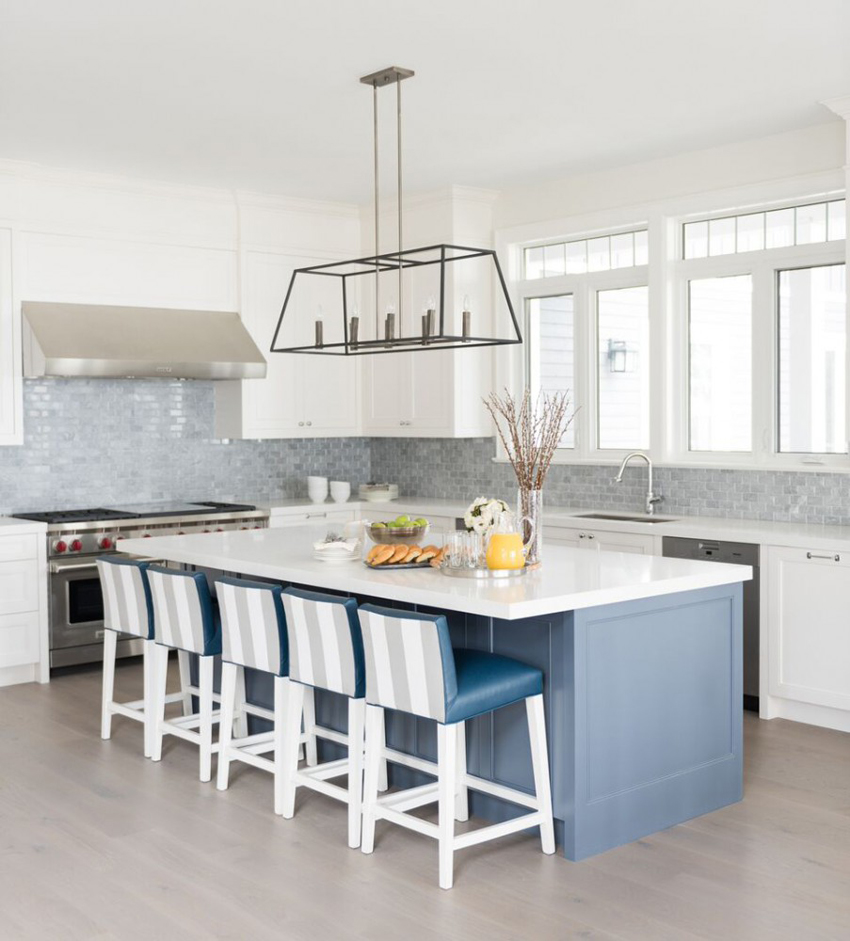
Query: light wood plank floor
point(98, 843)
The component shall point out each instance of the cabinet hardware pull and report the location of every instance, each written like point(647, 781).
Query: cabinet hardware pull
point(829, 558)
point(591, 536)
point(301, 424)
point(582, 535)
point(309, 423)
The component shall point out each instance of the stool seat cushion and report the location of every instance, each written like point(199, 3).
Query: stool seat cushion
point(488, 681)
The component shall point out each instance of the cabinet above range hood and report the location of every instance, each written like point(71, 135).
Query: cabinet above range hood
point(87, 340)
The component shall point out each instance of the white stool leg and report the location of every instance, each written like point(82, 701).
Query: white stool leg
point(447, 783)
point(149, 674)
point(240, 716)
point(310, 725)
point(540, 763)
point(229, 680)
point(281, 698)
point(184, 663)
point(110, 640)
point(383, 783)
point(161, 678)
point(205, 694)
point(374, 737)
point(291, 735)
point(356, 721)
point(462, 796)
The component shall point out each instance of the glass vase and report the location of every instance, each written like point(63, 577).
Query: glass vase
point(530, 512)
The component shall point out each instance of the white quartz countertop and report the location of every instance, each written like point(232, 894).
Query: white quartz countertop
point(763, 532)
point(13, 527)
point(568, 580)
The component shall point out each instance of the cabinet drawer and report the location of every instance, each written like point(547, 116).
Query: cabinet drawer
point(13, 548)
point(19, 639)
point(18, 587)
point(311, 516)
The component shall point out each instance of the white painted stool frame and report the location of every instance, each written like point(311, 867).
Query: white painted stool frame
point(451, 790)
point(251, 749)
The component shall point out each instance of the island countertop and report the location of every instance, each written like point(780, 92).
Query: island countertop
point(568, 580)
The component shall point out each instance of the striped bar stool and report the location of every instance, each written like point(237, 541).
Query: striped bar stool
point(325, 652)
point(185, 619)
point(410, 666)
point(253, 635)
point(126, 610)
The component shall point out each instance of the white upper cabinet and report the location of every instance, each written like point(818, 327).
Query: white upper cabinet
point(302, 395)
point(11, 427)
point(428, 393)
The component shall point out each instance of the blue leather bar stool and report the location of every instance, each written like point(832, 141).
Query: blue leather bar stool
point(325, 652)
point(253, 636)
point(411, 667)
point(186, 619)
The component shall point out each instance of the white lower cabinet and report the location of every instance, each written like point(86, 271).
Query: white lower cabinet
point(319, 515)
point(23, 609)
point(808, 619)
point(599, 540)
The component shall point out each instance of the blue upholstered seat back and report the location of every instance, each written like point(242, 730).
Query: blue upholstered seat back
point(325, 643)
point(409, 661)
point(253, 626)
point(183, 611)
point(127, 603)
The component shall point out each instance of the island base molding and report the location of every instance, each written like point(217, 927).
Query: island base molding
point(643, 706)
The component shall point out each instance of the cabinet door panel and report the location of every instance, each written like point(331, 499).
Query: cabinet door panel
point(622, 542)
point(19, 634)
point(809, 600)
point(270, 404)
point(388, 393)
point(18, 587)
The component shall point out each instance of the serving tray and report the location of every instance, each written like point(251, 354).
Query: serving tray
point(483, 573)
point(398, 565)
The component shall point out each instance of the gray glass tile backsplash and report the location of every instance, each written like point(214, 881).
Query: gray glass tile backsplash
point(92, 442)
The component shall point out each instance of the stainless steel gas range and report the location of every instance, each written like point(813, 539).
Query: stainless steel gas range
point(76, 538)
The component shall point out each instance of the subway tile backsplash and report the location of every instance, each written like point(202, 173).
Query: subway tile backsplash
point(96, 442)
point(91, 442)
point(451, 468)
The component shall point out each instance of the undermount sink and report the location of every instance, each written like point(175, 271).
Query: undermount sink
point(626, 517)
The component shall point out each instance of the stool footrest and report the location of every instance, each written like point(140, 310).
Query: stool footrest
point(330, 735)
point(323, 787)
point(411, 823)
point(496, 830)
point(191, 721)
point(132, 710)
point(409, 761)
point(411, 798)
point(324, 771)
point(259, 711)
point(500, 791)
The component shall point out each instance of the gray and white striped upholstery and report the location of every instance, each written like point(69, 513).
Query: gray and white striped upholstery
point(126, 596)
point(184, 614)
point(409, 661)
point(253, 627)
point(325, 643)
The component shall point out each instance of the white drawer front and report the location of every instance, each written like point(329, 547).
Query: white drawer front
point(18, 639)
point(311, 516)
point(18, 587)
point(13, 548)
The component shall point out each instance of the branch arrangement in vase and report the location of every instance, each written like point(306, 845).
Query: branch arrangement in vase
point(530, 431)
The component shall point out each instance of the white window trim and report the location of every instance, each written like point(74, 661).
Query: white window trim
point(664, 275)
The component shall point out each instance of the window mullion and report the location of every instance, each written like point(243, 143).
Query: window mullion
point(765, 367)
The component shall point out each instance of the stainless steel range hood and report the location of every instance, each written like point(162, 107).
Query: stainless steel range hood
point(137, 342)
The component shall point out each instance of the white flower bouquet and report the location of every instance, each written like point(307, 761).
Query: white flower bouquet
point(483, 514)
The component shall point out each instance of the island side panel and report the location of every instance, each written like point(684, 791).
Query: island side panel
point(657, 716)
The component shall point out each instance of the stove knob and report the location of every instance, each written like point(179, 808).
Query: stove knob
point(258, 527)
point(119, 537)
point(219, 530)
point(244, 528)
point(181, 533)
point(105, 543)
point(206, 530)
point(146, 536)
point(76, 545)
point(60, 546)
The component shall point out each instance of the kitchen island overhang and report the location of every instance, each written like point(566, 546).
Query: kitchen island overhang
point(642, 660)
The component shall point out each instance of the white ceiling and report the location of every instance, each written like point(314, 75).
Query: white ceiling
point(263, 94)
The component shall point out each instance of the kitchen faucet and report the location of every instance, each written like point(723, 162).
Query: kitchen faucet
point(651, 498)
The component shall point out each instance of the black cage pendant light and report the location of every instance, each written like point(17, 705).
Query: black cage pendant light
point(410, 294)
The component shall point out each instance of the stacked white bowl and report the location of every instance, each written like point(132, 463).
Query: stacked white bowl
point(317, 489)
point(340, 490)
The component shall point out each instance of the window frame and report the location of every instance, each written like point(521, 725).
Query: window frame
point(584, 396)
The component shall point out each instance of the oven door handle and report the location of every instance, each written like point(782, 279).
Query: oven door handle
point(57, 568)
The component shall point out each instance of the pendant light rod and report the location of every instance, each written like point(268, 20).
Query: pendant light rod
point(392, 75)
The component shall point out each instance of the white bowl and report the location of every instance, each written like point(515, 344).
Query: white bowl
point(340, 490)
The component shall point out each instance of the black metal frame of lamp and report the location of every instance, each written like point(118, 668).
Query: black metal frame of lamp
point(393, 262)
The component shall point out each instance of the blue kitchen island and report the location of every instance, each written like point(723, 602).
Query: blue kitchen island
point(641, 655)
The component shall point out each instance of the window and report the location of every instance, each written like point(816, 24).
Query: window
point(754, 231)
point(606, 253)
point(623, 368)
point(812, 331)
point(720, 363)
point(550, 335)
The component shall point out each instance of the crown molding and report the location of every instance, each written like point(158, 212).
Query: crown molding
point(249, 199)
point(840, 106)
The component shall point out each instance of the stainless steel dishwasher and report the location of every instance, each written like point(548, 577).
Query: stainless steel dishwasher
point(736, 553)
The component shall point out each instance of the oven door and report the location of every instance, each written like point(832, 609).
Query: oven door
point(76, 603)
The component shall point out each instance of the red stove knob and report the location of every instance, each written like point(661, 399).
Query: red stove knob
point(61, 546)
point(219, 530)
point(76, 545)
point(119, 537)
point(181, 533)
point(105, 543)
point(243, 528)
point(206, 530)
point(146, 536)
